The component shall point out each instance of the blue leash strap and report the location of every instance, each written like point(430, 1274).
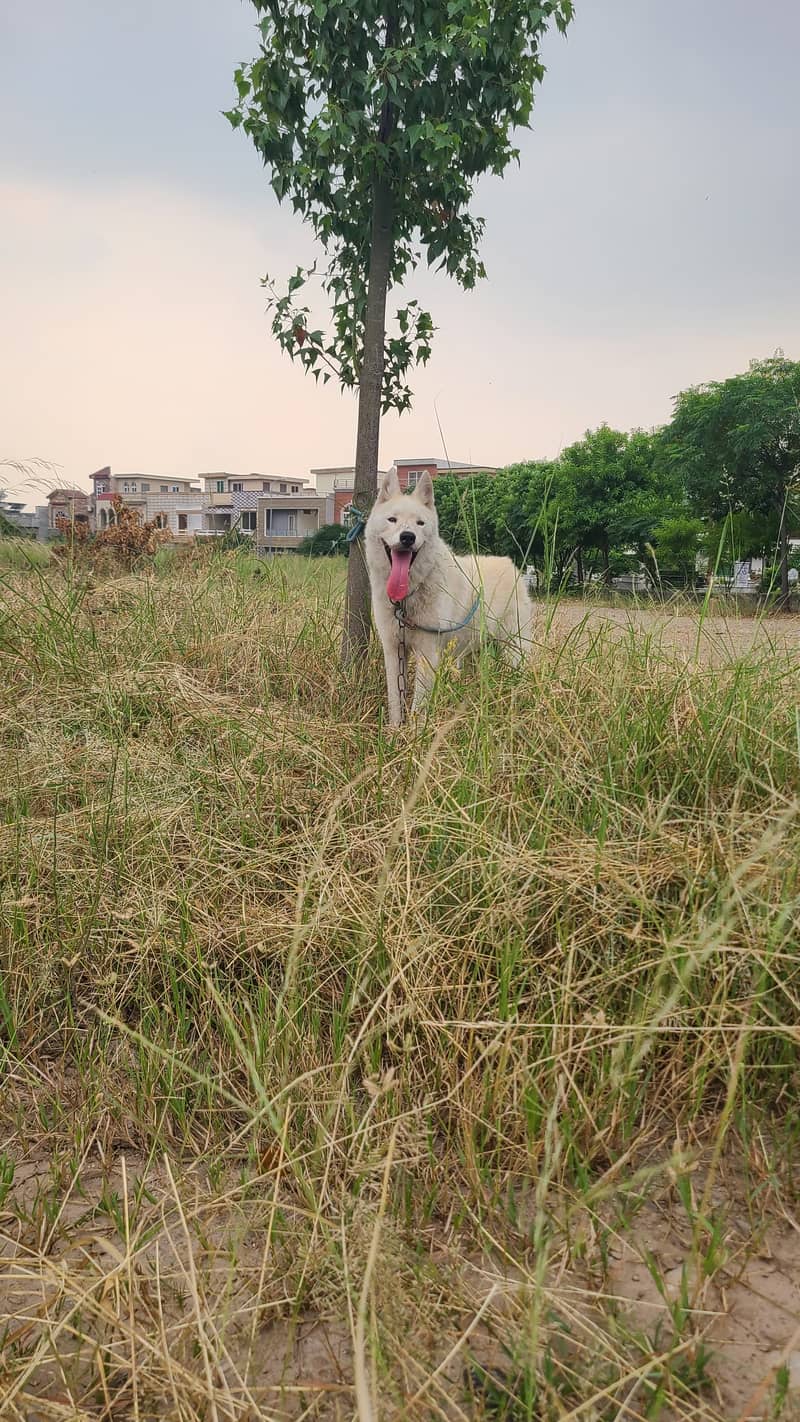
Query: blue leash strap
point(358, 526)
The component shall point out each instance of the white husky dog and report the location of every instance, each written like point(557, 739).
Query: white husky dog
point(424, 598)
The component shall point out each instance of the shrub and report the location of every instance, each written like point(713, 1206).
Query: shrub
point(127, 537)
point(331, 538)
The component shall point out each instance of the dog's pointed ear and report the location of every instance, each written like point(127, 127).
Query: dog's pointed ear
point(424, 490)
point(389, 486)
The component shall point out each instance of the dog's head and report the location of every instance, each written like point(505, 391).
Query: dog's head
point(402, 528)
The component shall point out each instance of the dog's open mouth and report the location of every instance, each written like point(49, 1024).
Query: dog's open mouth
point(400, 560)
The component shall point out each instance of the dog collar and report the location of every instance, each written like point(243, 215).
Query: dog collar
point(400, 614)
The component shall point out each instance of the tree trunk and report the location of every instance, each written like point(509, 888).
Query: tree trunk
point(370, 391)
point(579, 565)
point(783, 547)
point(606, 565)
point(370, 388)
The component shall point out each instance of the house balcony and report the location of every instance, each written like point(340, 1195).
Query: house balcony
point(118, 494)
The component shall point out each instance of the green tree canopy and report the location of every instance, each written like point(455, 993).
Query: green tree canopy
point(736, 443)
point(617, 497)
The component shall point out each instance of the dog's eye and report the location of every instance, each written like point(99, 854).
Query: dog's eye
point(391, 520)
point(420, 523)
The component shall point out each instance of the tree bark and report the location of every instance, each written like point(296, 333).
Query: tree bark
point(606, 565)
point(783, 546)
point(579, 565)
point(370, 391)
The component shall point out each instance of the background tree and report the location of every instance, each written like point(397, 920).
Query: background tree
point(375, 122)
point(737, 445)
point(617, 497)
point(735, 538)
point(526, 511)
point(676, 540)
point(469, 511)
point(538, 506)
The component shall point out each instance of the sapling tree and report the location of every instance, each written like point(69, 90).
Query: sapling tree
point(374, 119)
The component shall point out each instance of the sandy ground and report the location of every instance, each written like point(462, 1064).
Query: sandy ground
point(268, 1356)
point(676, 631)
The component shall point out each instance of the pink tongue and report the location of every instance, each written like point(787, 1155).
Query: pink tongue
point(397, 586)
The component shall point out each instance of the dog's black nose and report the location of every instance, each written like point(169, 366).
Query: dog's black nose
point(407, 538)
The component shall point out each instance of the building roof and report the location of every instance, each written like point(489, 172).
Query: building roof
point(158, 478)
point(338, 468)
point(67, 494)
point(447, 464)
point(254, 474)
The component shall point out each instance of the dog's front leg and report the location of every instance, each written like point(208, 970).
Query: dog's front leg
point(391, 660)
point(424, 677)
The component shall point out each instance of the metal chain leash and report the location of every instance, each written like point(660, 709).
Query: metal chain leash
point(400, 614)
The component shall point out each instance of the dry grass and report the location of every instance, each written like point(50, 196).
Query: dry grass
point(355, 1072)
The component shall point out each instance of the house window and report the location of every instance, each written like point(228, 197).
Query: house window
point(183, 523)
point(145, 488)
point(163, 488)
point(237, 487)
point(130, 487)
point(248, 523)
point(265, 485)
point(280, 523)
point(161, 520)
point(176, 488)
point(220, 486)
point(295, 488)
point(283, 488)
point(414, 476)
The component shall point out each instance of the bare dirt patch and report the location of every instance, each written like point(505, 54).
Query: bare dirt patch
point(711, 637)
point(186, 1305)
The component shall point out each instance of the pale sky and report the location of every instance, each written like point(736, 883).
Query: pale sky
point(648, 241)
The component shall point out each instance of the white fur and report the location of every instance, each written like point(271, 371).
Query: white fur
point(442, 589)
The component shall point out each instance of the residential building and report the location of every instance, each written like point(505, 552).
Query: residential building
point(338, 481)
point(276, 511)
point(410, 471)
point(172, 502)
point(281, 524)
point(231, 500)
point(71, 504)
point(15, 512)
point(254, 483)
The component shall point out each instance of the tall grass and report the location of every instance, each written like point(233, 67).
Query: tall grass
point(310, 1026)
point(22, 553)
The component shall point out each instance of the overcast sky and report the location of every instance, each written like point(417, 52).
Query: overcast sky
point(648, 241)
